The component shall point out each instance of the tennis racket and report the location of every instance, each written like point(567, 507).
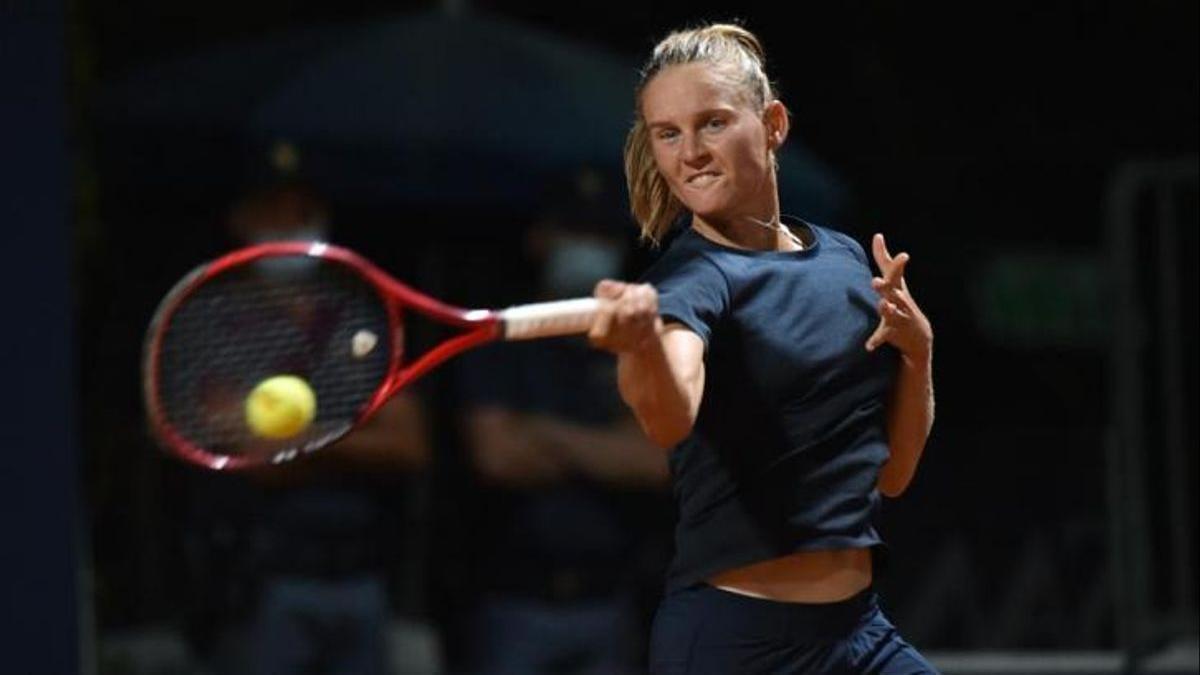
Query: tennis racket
point(312, 311)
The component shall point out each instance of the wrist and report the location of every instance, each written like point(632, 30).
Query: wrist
point(919, 358)
point(649, 344)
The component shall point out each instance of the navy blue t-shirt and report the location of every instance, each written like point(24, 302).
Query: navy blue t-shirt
point(786, 449)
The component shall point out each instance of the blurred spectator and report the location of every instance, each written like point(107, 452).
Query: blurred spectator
point(568, 481)
point(293, 561)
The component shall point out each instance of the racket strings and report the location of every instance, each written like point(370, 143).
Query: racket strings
point(281, 316)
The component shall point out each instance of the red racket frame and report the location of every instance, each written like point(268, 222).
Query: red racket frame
point(481, 326)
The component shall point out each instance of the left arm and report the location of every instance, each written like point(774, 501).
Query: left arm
point(910, 406)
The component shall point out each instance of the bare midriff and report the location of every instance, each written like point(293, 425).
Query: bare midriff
point(806, 576)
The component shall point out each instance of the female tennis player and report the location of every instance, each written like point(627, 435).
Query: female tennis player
point(792, 387)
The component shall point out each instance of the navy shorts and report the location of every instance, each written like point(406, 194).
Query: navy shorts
point(702, 630)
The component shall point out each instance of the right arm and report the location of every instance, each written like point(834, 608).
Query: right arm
point(660, 368)
point(903, 325)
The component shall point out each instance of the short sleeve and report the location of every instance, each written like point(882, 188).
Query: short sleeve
point(852, 244)
point(691, 290)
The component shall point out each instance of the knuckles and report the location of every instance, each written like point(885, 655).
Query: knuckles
point(625, 316)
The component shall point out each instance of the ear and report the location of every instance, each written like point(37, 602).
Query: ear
point(775, 118)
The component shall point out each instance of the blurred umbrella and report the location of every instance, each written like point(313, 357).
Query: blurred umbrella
point(428, 109)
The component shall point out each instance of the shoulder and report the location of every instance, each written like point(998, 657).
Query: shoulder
point(686, 259)
point(692, 287)
point(837, 242)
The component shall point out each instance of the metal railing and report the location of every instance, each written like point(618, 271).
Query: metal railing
point(1144, 228)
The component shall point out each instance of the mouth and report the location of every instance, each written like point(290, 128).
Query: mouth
point(702, 179)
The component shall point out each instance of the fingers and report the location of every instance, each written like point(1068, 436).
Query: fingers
point(878, 337)
point(890, 284)
point(608, 289)
point(626, 318)
point(891, 310)
point(895, 292)
point(883, 329)
point(901, 321)
point(893, 273)
point(601, 325)
point(890, 315)
point(883, 259)
point(896, 273)
point(891, 267)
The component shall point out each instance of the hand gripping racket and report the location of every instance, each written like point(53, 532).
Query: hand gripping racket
point(307, 310)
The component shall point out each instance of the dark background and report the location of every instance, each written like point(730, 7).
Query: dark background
point(983, 138)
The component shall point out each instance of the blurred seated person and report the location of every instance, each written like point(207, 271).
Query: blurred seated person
point(312, 542)
point(565, 473)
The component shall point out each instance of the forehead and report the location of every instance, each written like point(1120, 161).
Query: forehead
point(683, 90)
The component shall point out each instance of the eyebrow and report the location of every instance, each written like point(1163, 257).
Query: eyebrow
point(658, 124)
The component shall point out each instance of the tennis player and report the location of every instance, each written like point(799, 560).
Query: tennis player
point(792, 387)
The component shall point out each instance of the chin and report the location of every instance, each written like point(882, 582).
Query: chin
point(711, 212)
point(712, 203)
point(707, 208)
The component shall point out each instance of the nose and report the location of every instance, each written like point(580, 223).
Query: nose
point(694, 152)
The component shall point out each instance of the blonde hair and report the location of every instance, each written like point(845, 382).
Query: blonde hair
point(740, 56)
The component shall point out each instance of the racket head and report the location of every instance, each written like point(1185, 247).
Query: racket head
point(304, 309)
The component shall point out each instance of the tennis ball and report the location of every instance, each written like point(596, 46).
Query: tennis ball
point(280, 407)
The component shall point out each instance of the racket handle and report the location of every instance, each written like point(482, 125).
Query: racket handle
point(548, 319)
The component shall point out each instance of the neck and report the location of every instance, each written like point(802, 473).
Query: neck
point(757, 229)
point(748, 232)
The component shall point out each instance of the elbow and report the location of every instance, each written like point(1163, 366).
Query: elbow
point(893, 480)
point(893, 488)
point(665, 431)
point(664, 437)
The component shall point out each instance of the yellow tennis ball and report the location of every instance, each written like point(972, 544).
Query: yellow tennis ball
point(280, 407)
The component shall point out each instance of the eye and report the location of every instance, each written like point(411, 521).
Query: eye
point(667, 134)
point(715, 123)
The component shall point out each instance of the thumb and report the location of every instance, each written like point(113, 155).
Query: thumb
point(877, 338)
point(608, 289)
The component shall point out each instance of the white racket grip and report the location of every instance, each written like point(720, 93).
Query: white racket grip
point(548, 319)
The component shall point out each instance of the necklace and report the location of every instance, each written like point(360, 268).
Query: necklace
point(778, 226)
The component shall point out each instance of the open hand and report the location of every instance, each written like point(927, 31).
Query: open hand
point(902, 324)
